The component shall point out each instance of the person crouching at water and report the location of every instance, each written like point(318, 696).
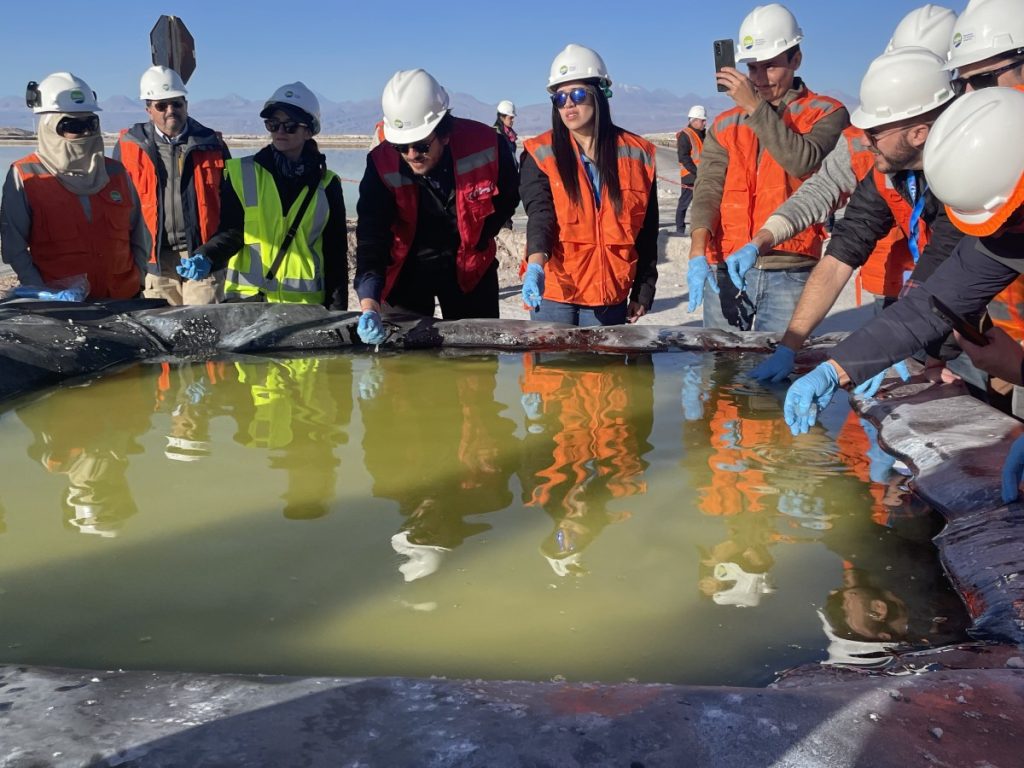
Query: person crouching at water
point(282, 229)
point(591, 202)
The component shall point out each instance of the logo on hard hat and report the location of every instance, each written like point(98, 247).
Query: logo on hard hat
point(115, 196)
point(289, 94)
point(748, 42)
point(166, 87)
point(957, 39)
point(563, 69)
point(398, 123)
point(77, 96)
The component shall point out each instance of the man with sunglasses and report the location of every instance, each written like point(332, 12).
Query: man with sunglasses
point(754, 157)
point(431, 200)
point(67, 210)
point(176, 164)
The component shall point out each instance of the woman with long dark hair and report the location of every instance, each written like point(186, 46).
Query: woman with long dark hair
point(591, 202)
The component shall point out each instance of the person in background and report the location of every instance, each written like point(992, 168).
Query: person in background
point(282, 232)
point(177, 165)
point(590, 193)
point(67, 210)
point(378, 133)
point(431, 200)
point(503, 124)
point(755, 156)
point(689, 143)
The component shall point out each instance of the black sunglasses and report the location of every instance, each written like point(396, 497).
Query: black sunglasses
point(578, 95)
point(289, 126)
point(161, 106)
point(80, 126)
point(420, 147)
point(985, 79)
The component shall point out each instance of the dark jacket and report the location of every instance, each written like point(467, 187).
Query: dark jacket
point(966, 282)
point(228, 240)
point(684, 152)
point(542, 227)
point(197, 137)
point(868, 219)
point(437, 235)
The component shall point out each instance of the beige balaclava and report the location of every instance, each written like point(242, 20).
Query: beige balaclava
point(78, 164)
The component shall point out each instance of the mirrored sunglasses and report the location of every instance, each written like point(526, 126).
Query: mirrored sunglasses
point(79, 126)
point(289, 126)
point(578, 96)
point(161, 106)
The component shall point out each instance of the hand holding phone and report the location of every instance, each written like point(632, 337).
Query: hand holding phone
point(725, 56)
point(961, 326)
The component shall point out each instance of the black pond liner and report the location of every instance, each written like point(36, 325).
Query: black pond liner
point(953, 443)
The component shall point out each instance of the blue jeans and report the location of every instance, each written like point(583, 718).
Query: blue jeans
point(575, 314)
point(767, 304)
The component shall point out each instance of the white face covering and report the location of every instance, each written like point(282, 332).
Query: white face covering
point(78, 164)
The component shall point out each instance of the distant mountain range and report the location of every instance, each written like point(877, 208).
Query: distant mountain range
point(633, 107)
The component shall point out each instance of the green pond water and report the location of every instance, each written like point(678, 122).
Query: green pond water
point(505, 516)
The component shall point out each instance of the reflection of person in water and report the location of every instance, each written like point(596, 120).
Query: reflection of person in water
point(189, 394)
point(589, 421)
point(735, 571)
point(298, 412)
point(81, 434)
point(893, 591)
point(435, 442)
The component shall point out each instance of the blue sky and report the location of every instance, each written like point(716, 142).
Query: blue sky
point(492, 50)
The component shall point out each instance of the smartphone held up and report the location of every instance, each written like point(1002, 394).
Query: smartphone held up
point(725, 56)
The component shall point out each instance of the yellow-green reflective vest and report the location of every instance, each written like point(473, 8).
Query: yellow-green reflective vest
point(300, 277)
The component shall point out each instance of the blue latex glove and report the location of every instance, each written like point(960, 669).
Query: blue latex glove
point(808, 395)
point(698, 272)
point(196, 391)
point(1013, 467)
point(870, 387)
point(739, 263)
point(194, 267)
point(881, 462)
point(533, 405)
point(775, 368)
point(533, 285)
point(370, 383)
point(370, 328)
point(28, 292)
point(693, 395)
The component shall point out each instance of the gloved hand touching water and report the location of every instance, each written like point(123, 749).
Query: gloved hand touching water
point(808, 395)
point(775, 368)
point(371, 328)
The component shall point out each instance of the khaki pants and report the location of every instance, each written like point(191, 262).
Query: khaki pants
point(177, 291)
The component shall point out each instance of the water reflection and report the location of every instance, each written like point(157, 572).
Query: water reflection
point(299, 412)
point(77, 433)
point(436, 443)
point(590, 421)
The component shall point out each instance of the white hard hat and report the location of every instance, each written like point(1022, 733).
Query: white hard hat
point(767, 31)
point(182, 449)
point(414, 103)
point(697, 113)
point(506, 107)
point(905, 82)
point(930, 26)
point(974, 160)
point(861, 653)
point(985, 29)
point(61, 92)
point(296, 96)
point(577, 62)
point(746, 591)
point(423, 560)
point(160, 83)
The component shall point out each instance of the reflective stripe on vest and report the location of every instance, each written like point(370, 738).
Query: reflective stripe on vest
point(299, 277)
point(63, 242)
point(593, 258)
point(756, 185)
point(474, 149)
point(882, 273)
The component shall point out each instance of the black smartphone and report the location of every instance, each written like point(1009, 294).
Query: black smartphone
point(959, 325)
point(725, 56)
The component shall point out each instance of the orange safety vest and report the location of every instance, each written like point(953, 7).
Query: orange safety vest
point(755, 184)
point(208, 168)
point(593, 259)
point(64, 243)
point(882, 273)
point(474, 148)
point(853, 445)
point(734, 441)
point(901, 209)
point(378, 129)
point(696, 147)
